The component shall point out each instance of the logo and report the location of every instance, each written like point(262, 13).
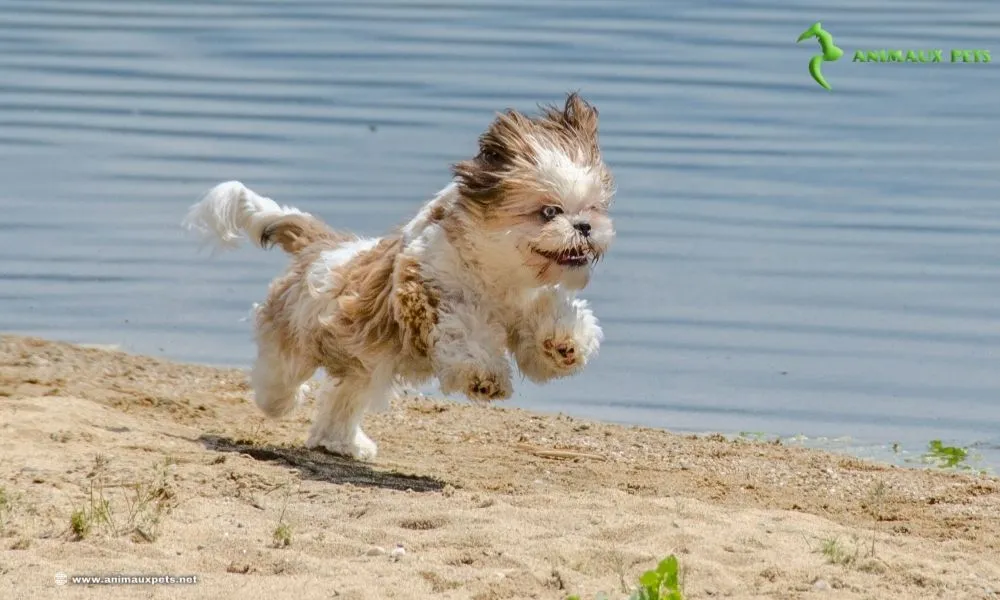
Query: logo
point(61, 579)
point(826, 45)
point(831, 53)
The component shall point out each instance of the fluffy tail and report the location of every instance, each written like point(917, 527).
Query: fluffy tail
point(231, 210)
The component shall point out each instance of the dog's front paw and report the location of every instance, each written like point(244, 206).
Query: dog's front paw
point(485, 387)
point(561, 349)
point(561, 353)
point(476, 383)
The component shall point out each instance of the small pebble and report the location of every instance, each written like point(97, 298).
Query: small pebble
point(376, 551)
point(398, 552)
point(821, 585)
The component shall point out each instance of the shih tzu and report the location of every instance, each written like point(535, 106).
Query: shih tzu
point(488, 269)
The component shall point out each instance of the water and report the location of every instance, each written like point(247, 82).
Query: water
point(789, 260)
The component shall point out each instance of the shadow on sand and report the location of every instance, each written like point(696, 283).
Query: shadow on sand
point(322, 466)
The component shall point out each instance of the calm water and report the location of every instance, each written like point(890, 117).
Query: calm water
point(789, 260)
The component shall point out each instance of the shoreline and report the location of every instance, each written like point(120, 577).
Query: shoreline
point(487, 502)
point(909, 451)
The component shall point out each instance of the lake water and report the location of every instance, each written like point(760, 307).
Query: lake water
point(789, 261)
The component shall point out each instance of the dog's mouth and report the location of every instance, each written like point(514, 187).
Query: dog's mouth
point(572, 257)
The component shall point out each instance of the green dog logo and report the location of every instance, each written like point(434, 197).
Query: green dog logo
point(830, 51)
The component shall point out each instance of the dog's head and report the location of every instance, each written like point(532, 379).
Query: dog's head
point(535, 199)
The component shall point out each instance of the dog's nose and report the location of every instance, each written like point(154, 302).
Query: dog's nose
point(583, 228)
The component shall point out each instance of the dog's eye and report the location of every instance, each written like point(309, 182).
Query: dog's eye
point(550, 212)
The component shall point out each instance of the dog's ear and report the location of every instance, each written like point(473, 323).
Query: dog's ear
point(506, 140)
point(504, 144)
point(577, 117)
point(580, 115)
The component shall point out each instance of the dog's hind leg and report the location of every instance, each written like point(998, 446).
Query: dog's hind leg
point(278, 380)
point(341, 406)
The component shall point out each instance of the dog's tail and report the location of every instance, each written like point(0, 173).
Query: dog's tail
point(231, 210)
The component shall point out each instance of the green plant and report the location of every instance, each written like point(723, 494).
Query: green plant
point(661, 583)
point(876, 504)
point(945, 457)
point(138, 510)
point(79, 523)
point(282, 535)
point(838, 554)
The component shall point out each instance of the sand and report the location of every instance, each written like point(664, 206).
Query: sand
point(486, 503)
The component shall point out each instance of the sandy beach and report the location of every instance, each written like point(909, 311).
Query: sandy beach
point(118, 464)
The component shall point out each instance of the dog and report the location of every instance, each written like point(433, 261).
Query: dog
point(488, 269)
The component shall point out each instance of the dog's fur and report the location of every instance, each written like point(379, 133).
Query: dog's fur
point(489, 266)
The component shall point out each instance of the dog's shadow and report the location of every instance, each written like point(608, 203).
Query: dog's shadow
point(322, 466)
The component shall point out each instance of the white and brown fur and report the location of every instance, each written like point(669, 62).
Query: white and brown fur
point(488, 269)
